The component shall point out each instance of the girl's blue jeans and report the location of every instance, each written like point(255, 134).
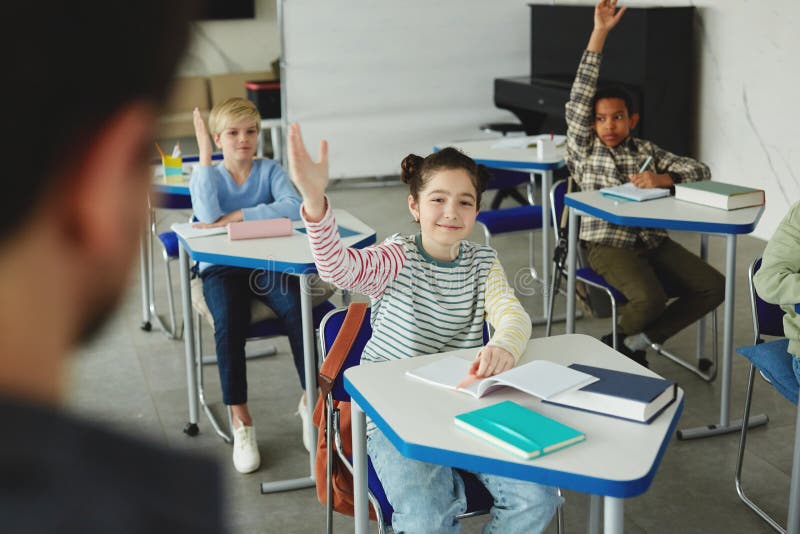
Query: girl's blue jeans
point(427, 498)
point(228, 292)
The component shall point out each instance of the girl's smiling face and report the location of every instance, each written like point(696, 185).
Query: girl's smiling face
point(446, 211)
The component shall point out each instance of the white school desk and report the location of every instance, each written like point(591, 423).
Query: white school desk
point(521, 159)
point(617, 460)
point(290, 254)
point(671, 214)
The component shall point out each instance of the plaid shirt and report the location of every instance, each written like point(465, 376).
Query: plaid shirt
point(594, 165)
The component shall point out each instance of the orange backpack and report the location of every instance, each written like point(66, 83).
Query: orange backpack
point(341, 478)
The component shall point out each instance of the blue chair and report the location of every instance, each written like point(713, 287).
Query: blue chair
point(516, 219)
point(590, 277)
point(774, 364)
point(479, 500)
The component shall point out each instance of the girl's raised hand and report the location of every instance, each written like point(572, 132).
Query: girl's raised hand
point(204, 147)
point(310, 177)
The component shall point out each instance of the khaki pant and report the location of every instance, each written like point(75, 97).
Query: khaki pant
point(641, 275)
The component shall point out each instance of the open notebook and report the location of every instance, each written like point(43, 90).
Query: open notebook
point(629, 191)
point(541, 378)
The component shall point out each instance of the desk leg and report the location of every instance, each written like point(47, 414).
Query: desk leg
point(572, 256)
point(593, 519)
point(613, 515)
point(277, 148)
point(144, 277)
point(725, 425)
point(361, 505)
point(306, 306)
point(701, 324)
point(311, 394)
point(547, 250)
point(727, 329)
point(188, 341)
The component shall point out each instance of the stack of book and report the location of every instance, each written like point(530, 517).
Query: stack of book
point(619, 394)
point(720, 195)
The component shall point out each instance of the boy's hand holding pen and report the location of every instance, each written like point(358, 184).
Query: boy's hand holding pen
point(646, 179)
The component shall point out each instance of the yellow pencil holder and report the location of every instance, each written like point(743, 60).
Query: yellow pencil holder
point(173, 169)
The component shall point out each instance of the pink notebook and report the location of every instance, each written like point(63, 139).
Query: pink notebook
point(261, 228)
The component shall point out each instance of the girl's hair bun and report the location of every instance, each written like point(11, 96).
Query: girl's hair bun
point(410, 167)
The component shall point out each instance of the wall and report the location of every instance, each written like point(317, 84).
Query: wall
point(748, 119)
point(234, 45)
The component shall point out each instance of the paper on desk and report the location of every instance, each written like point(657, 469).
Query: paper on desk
point(187, 230)
point(526, 141)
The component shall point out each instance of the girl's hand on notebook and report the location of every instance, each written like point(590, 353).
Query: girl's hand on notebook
point(490, 361)
point(310, 177)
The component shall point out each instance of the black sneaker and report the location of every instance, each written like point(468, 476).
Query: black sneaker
point(636, 355)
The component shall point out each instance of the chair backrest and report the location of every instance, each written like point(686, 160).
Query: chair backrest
point(505, 178)
point(767, 318)
point(328, 329)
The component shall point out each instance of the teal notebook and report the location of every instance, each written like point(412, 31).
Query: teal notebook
point(518, 430)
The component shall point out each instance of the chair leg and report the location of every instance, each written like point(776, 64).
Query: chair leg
point(174, 331)
point(560, 528)
point(702, 367)
point(200, 386)
point(329, 466)
point(740, 458)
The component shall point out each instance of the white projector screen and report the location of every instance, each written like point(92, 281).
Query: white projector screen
point(380, 79)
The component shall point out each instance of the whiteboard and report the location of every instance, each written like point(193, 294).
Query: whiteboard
point(381, 79)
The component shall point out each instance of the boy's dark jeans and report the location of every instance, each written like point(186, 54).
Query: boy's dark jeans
point(228, 292)
point(640, 274)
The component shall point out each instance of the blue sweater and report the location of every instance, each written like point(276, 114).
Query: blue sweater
point(266, 194)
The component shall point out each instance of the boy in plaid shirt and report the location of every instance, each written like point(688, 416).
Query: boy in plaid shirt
point(637, 261)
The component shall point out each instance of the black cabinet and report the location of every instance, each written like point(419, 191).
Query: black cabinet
point(650, 52)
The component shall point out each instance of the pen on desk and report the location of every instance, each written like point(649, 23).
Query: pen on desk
point(646, 163)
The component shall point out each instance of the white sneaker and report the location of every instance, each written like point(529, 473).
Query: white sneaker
point(246, 457)
point(301, 409)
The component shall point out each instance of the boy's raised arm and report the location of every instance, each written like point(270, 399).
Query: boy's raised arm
point(604, 20)
point(579, 111)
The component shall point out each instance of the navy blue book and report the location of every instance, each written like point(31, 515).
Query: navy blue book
point(628, 396)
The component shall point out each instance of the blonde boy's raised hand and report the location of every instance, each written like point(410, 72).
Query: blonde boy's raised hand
point(204, 148)
point(310, 177)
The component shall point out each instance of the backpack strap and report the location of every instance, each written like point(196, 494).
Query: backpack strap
point(341, 346)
